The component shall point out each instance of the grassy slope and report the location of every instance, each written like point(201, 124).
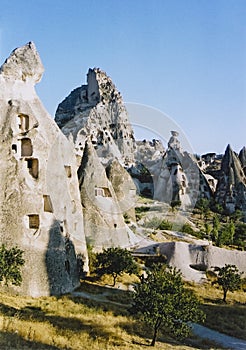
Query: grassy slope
point(76, 323)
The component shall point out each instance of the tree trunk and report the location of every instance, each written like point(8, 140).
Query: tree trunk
point(114, 276)
point(157, 325)
point(224, 297)
point(154, 337)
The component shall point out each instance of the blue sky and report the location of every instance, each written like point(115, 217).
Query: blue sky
point(186, 58)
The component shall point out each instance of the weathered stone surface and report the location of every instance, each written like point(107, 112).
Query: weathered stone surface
point(40, 209)
point(242, 157)
point(231, 188)
point(124, 188)
point(177, 177)
point(23, 64)
point(194, 259)
point(103, 213)
point(95, 111)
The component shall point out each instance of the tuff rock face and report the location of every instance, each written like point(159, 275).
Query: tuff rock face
point(40, 209)
point(242, 157)
point(170, 176)
point(194, 259)
point(231, 188)
point(124, 187)
point(95, 111)
point(103, 209)
point(94, 118)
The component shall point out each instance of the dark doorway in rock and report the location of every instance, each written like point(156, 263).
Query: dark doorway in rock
point(32, 164)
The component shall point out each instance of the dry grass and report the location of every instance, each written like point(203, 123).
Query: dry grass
point(228, 318)
point(75, 323)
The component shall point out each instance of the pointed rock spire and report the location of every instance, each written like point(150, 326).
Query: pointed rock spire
point(242, 157)
point(231, 186)
point(23, 64)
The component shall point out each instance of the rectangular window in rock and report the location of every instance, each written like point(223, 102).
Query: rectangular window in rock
point(32, 164)
point(107, 192)
point(99, 192)
point(47, 204)
point(68, 170)
point(26, 147)
point(23, 122)
point(33, 221)
point(102, 191)
point(14, 148)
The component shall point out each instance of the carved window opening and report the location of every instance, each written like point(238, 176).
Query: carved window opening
point(33, 221)
point(47, 204)
point(68, 170)
point(14, 148)
point(99, 192)
point(26, 147)
point(32, 164)
point(23, 122)
point(103, 192)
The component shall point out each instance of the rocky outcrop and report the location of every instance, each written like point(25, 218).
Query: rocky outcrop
point(96, 111)
point(103, 211)
point(177, 177)
point(193, 260)
point(40, 209)
point(231, 188)
point(124, 188)
point(94, 118)
point(242, 157)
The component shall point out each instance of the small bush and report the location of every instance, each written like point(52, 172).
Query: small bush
point(165, 225)
point(187, 229)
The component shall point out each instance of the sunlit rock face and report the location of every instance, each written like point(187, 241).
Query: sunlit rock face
point(40, 209)
point(94, 118)
point(174, 175)
point(103, 207)
point(242, 157)
point(231, 188)
point(95, 111)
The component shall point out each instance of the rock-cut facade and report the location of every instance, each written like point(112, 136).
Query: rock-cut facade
point(40, 208)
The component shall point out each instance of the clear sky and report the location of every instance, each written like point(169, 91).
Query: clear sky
point(186, 58)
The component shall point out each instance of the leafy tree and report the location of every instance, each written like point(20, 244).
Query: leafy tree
point(161, 301)
point(208, 228)
point(229, 278)
point(203, 205)
point(115, 261)
point(11, 261)
point(187, 229)
point(216, 227)
point(240, 235)
point(226, 235)
point(237, 215)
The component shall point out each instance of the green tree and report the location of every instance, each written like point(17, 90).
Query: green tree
point(215, 229)
point(115, 261)
point(11, 261)
point(208, 228)
point(162, 302)
point(229, 278)
point(240, 235)
point(203, 205)
point(226, 235)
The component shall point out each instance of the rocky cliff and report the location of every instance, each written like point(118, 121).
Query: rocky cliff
point(40, 209)
point(231, 188)
point(96, 111)
point(104, 203)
